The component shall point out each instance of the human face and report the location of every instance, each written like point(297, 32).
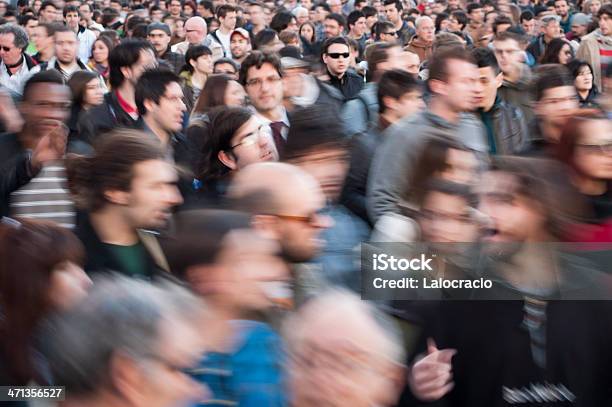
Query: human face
point(552, 29)
point(160, 40)
point(579, 30)
point(234, 94)
point(426, 30)
point(529, 26)
point(508, 55)
point(584, 79)
point(335, 6)
point(477, 15)
point(157, 15)
point(335, 59)
point(100, 52)
point(146, 61)
point(49, 14)
point(14, 54)
point(152, 195)
point(331, 28)
point(594, 7)
point(561, 8)
point(557, 105)
point(605, 24)
point(370, 21)
point(226, 69)
point(204, 64)
point(195, 32)
point(85, 12)
point(68, 285)
point(229, 21)
point(392, 13)
point(445, 25)
point(328, 167)
point(30, 27)
point(409, 103)
point(453, 24)
point(565, 54)
point(66, 47)
point(359, 27)
point(239, 46)
point(487, 92)
point(169, 112)
point(94, 93)
point(264, 87)
point(46, 106)
point(72, 20)
point(179, 29)
point(302, 17)
point(175, 8)
point(292, 26)
point(320, 14)
point(462, 86)
point(446, 219)
point(257, 16)
point(593, 156)
point(412, 62)
point(307, 32)
point(252, 143)
point(188, 11)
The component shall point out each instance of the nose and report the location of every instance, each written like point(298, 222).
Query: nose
point(174, 197)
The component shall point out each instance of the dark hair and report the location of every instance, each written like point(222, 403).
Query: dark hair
point(358, 2)
point(508, 35)
point(548, 77)
point(78, 85)
point(461, 18)
point(397, 3)
point(108, 43)
point(223, 9)
point(108, 15)
point(376, 54)
point(112, 35)
point(63, 29)
point(605, 9)
point(334, 40)
point(575, 65)
point(125, 55)
point(484, 58)
point(311, 129)
point(608, 73)
point(71, 9)
point(314, 32)
point(111, 167)
point(472, 6)
point(152, 86)
point(325, 6)
point(369, 11)
point(207, 4)
point(25, 19)
point(551, 55)
point(257, 59)
point(50, 76)
point(526, 15)
point(45, 4)
point(264, 37)
point(133, 22)
point(395, 84)
point(29, 252)
point(439, 19)
point(88, 6)
point(438, 68)
point(226, 61)
point(140, 32)
point(224, 122)
point(287, 36)
point(281, 21)
point(501, 20)
point(446, 187)
point(380, 27)
point(353, 17)
point(213, 93)
point(339, 18)
point(570, 136)
point(193, 53)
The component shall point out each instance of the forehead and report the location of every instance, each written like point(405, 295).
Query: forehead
point(505, 44)
point(448, 202)
point(154, 171)
point(158, 33)
point(48, 91)
point(337, 48)
point(238, 37)
point(225, 66)
point(65, 36)
point(8, 37)
point(457, 68)
point(559, 91)
point(267, 69)
point(486, 71)
point(495, 182)
point(173, 89)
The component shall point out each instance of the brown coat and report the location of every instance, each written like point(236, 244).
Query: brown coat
point(421, 48)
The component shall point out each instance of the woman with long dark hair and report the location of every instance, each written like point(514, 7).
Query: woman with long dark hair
point(87, 88)
point(100, 51)
point(558, 51)
point(40, 273)
point(198, 66)
point(582, 72)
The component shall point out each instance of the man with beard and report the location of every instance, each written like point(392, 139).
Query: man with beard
point(240, 44)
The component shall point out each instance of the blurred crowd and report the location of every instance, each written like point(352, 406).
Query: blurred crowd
point(185, 189)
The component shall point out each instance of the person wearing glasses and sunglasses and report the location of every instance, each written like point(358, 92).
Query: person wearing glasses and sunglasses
point(335, 56)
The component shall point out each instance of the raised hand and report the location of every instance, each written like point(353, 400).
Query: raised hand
point(431, 377)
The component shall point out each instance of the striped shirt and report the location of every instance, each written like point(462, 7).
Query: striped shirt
point(46, 197)
point(605, 55)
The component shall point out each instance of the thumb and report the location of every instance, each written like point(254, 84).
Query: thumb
point(445, 355)
point(431, 346)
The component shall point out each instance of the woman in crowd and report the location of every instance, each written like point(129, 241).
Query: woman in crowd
point(189, 9)
point(219, 90)
point(100, 51)
point(583, 81)
point(558, 51)
point(307, 37)
point(442, 22)
point(40, 273)
point(198, 67)
point(87, 90)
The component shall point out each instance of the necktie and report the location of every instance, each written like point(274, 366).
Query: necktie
point(277, 135)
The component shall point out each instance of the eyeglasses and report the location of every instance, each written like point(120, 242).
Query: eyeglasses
point(258, 82)
point(336, 55)
point(309, 219)
point(253, 138)
point(6, 49)
point(585, 73)
point(393, 33)
point(596, 148)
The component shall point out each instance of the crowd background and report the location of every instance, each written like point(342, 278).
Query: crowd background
point(185, 188)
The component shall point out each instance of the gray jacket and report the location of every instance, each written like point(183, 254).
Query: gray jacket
point(360, 112)
point(395, 160)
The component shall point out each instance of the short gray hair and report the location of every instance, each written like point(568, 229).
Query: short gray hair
point(21, 36)
point(119, 315)
point(419, 20)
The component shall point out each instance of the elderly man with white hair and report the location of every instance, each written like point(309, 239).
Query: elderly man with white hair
point(195, 34)
point(301, 15)
point(343, 352)
point(422, 43)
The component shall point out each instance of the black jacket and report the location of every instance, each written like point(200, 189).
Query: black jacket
point(104, 118)
point(350, 85)
point(509, 127)
point(15, 169)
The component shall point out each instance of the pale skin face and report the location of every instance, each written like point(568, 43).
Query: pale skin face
point(66, 47)
point(252, 143)
point(593, 154)
point(168, 113)
point(94, 93)
point(9, 53)
point(584, 79)
point(337, 66)
point(100, 53)
point(446, 219)
point(264, 87)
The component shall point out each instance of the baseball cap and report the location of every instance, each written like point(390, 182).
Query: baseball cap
point(158, 26)
point(242, 32)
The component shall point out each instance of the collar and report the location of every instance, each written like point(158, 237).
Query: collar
point(21, 61)
point(439, 121)
point(265, 120)
point(129, 109)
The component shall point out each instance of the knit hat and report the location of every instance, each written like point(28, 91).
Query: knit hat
point(580, 19)
point(158, 26)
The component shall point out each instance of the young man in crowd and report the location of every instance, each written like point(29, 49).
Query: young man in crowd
point(66, 59)
point(393, 12)
point(334, 25)
point(43, 40)
point(257, 20)
point(220, 39)
point(550, 29)
point(563, 11)
point(85, 36)
point(335, 55)
point(475, 28)
point(356, 21)
point(240, 45)
point(159, 35)
point(596, 47)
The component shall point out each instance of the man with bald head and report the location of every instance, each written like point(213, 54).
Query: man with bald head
point(343, 352)
point(195, 34)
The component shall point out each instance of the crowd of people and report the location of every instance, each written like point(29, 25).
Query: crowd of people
point(186, 190)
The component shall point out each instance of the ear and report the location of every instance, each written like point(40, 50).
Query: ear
point(227, 160)
point(149, 105)
point(192, 63)
point(325, 58)
point(126, 71)
point(438, 87)
point(117, 197)
point(390, 103)
point(266, 225)
point(499, 80)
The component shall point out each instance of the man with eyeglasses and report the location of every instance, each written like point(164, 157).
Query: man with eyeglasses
point(195, 34)
point(16, 66)
point(335, 56)
point(550, 29)
point(261, 75)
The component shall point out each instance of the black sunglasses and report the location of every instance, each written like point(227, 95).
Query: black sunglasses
point(6, 49)
point(336, 55)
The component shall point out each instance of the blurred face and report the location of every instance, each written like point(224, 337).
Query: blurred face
point(360, 27)
point(252, 143)
point(157, 15)
point(487, 91)
point(453, 24)
point(69, 284)
point(160, 40)
point(392, 13)
point(49, 14)
point(477, 15)
point(179, 29)
point(335, 6)
point(307, 32)
point(229, 21)
point(328, 167)
point(30, 26)
point(462, 86)
point(370, 21)
point(152, 196)
point(426, 30)
point(584, 80)
point(337, 59)
point(461, 167)
point(302, 17)
point(529, 26)
point(146, 61)
point(409, 103)
point(605, 24)
point(203, 64)
point(557, 105)
point(552, 30)
point(239, 46)
point(446, 219)
point(331, 28)
point(320, 14)
point(66, 47)
point(593, 155)
point(46, 106)
point(579, 30)
point(100, 52)
point(264, 87)
point(226, 69)
point(561, 8)
point(508, 55)
point(72, 20)
point(175, 8)
point(94, 93)
point(169, 112)
point(594, 7)
point(257, 16)
point(85, 12)
point(9, 53)
point(234, 94)
point(565, 54)
point(412, 62)
point(195, 32)
point(445, 25)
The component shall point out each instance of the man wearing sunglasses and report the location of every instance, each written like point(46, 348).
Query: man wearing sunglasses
point(16, 66)
point(336, 53)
